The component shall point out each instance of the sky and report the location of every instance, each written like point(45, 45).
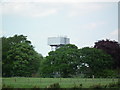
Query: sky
point(83, 22)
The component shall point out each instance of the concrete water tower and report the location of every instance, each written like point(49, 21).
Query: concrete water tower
point(56, 42)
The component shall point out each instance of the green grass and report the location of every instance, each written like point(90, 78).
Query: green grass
point(20, 82)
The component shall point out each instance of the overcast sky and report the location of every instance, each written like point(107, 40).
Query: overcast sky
point(83, 22)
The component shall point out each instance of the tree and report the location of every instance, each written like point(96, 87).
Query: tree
point(19, 57)
point(112, 48)
point(7, 43)
point(69, 61)
point(24, 60)
point(94, 61)
point(61, 62)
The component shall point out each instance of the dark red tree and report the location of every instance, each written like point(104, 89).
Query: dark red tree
point(112, 48)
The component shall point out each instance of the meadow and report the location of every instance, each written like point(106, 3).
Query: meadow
point(23, 82)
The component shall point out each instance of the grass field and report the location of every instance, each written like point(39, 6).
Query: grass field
point(19, 82)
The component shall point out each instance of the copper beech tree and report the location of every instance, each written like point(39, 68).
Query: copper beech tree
point(112, 48)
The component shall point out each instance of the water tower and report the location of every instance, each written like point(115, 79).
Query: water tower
point(56, 42)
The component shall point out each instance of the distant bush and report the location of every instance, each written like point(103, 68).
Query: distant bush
point(55, 85)
point(7, 86)
point(77, 86)
point(110, 85)
point(109, 73)
point(114, 85)
point(36, 87)
point(118, 83)
point(98, 86)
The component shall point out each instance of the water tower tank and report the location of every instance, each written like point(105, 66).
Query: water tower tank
point(58, 41)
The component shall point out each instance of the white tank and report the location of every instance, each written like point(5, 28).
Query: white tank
point(56, 41)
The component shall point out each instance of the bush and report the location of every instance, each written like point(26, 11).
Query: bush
point(55, 85)
point(118, 83)
point(7, 86)
point(36, 87)
point(109, 73)
point(77, 86)
point(114, 85)
point(97, 86)
point(111, 85)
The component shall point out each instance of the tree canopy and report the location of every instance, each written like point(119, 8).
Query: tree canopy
point(112, 48)
point(19, 57)
point(94, 61)
point(61, 62)
point(68, 61)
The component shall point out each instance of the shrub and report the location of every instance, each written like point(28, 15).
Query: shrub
point(114, 85)
point(36, 87)
point(77, 86)
point(6, 86)
point(55, 85)
point(118, 83)
point(111, 85)
point(97, 86)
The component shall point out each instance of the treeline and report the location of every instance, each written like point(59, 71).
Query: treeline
point(20, 59)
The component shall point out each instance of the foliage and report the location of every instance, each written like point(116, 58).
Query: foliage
point(69, 61)
point(7, 86)
point(26, 60)
point(94, 61)
point(97, 86)
point(19, 57)
point(6, 46)
point(112, 48)
point(77, 86)
point(35, 87)
point(110, 73)
point(114, 85)
point(62, 62)
point(55, 85)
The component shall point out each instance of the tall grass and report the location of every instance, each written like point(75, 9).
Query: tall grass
point(22, 82)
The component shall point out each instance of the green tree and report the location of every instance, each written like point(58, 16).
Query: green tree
point(7, 43)
point(24, 60)
point(19, 57)
point(61, 62)
point(69, 61)
point(95, 61)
